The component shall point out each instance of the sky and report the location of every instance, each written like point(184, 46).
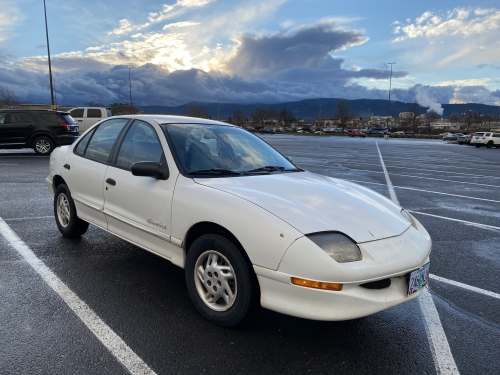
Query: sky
point(252, 51)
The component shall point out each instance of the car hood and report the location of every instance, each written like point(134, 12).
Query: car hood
point(313, 203)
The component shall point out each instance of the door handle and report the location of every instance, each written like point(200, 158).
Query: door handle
point(67, 166)
point(111, 181)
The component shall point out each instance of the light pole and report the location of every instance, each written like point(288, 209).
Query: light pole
point(52, 106)
point(389, 102)
point(130, 86)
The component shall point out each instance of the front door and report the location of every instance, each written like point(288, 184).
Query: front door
point(16, 127)
point(139, 208)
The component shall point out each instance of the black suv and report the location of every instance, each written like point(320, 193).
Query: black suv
point(41, 130)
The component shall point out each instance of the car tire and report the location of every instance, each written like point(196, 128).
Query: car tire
point(223, 300)
point(43, 145)
point(489, 144)
point(497, 146)
point(477, 146)
point(69, 224)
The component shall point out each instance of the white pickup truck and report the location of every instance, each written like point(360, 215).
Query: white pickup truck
point(85, 117)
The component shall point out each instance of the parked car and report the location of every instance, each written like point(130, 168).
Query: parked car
point(469, 139)
point(399, 133)
point(88, 116)
point(42, 130)
point(319, 132)
point(355, 133)
point(267, 131)
point(487, 139)
point(452, 137)
point(196, 192)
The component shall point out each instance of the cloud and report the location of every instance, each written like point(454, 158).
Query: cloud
point(459, 21)
point(180, 24)
point(167, 12)
point(10, 17)
point(462, 37)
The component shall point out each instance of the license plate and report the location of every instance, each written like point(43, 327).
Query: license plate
point(418, 279)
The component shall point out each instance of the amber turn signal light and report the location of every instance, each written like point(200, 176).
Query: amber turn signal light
point(316, 284)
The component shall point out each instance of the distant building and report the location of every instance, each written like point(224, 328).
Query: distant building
point(406, 115)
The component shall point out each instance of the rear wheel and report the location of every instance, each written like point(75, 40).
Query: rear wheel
point(43, 145)
point(68, 223)
point(219, 280)
point(489, 144)
point(477, 146)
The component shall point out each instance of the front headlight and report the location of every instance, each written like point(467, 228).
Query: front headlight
point(337, 245)
point(410, 218)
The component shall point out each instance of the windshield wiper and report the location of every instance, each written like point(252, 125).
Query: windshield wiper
point(272, 168)
point(218, 171)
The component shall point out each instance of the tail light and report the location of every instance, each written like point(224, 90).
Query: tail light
point(65, 127)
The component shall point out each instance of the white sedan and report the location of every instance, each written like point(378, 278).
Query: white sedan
point(248, 226)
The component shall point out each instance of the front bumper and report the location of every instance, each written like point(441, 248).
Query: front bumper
point(391, 258)
point(50, 186)
point(352, 302)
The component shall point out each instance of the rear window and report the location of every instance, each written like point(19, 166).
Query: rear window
point(77, 112)
point(93, 113)
point(67, 118)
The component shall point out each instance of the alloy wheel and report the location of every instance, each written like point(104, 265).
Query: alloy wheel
point(42, 146)
point(63, 210)
point(215, 280)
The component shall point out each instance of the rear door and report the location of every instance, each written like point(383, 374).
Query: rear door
point(92, 116)
point(84, 171)
point(139, 208)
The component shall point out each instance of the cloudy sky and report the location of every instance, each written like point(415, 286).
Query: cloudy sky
point(252, 51)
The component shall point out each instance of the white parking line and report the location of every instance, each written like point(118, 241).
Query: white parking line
point(114, 343)
point(440, 348)
point(457, 220)
point(465, 286)
point(427, 191)
point(387, 178)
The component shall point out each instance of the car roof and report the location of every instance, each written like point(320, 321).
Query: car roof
point(31, 110)
point(169, 119)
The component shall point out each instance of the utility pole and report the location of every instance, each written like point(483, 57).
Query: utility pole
point(218, 110)
point(48, 53)
point(130, 86)
point(389, 102)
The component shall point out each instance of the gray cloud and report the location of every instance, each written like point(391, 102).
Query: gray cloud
point(301, 56)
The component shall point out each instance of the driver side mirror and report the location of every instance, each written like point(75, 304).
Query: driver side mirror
point(150, 169)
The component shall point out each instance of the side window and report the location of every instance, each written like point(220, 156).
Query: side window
point(82, 145)
point(77, 112)
point(2, 118)
point(93, 113)
point(49, 117)
point(140, 144)
point(20, 118)
point(104, 138)
point(496, 135)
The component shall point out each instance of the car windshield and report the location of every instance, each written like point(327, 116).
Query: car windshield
point(223, 150)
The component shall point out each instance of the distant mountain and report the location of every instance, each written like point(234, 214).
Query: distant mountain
point(309, 109)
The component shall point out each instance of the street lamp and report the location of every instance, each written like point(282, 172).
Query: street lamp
point(48, 53)
point(130, 86)
point(389, 102)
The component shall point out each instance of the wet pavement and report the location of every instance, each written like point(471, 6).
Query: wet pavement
point(453, 190)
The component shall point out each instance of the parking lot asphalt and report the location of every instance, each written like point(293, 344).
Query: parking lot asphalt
point(452, 190)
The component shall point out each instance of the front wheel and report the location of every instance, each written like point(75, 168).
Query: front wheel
point(489, 144)
point(477, 146)
point(219, 280)
point(68, 223)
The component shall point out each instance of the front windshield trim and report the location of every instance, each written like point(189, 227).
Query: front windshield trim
point(187, 173)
